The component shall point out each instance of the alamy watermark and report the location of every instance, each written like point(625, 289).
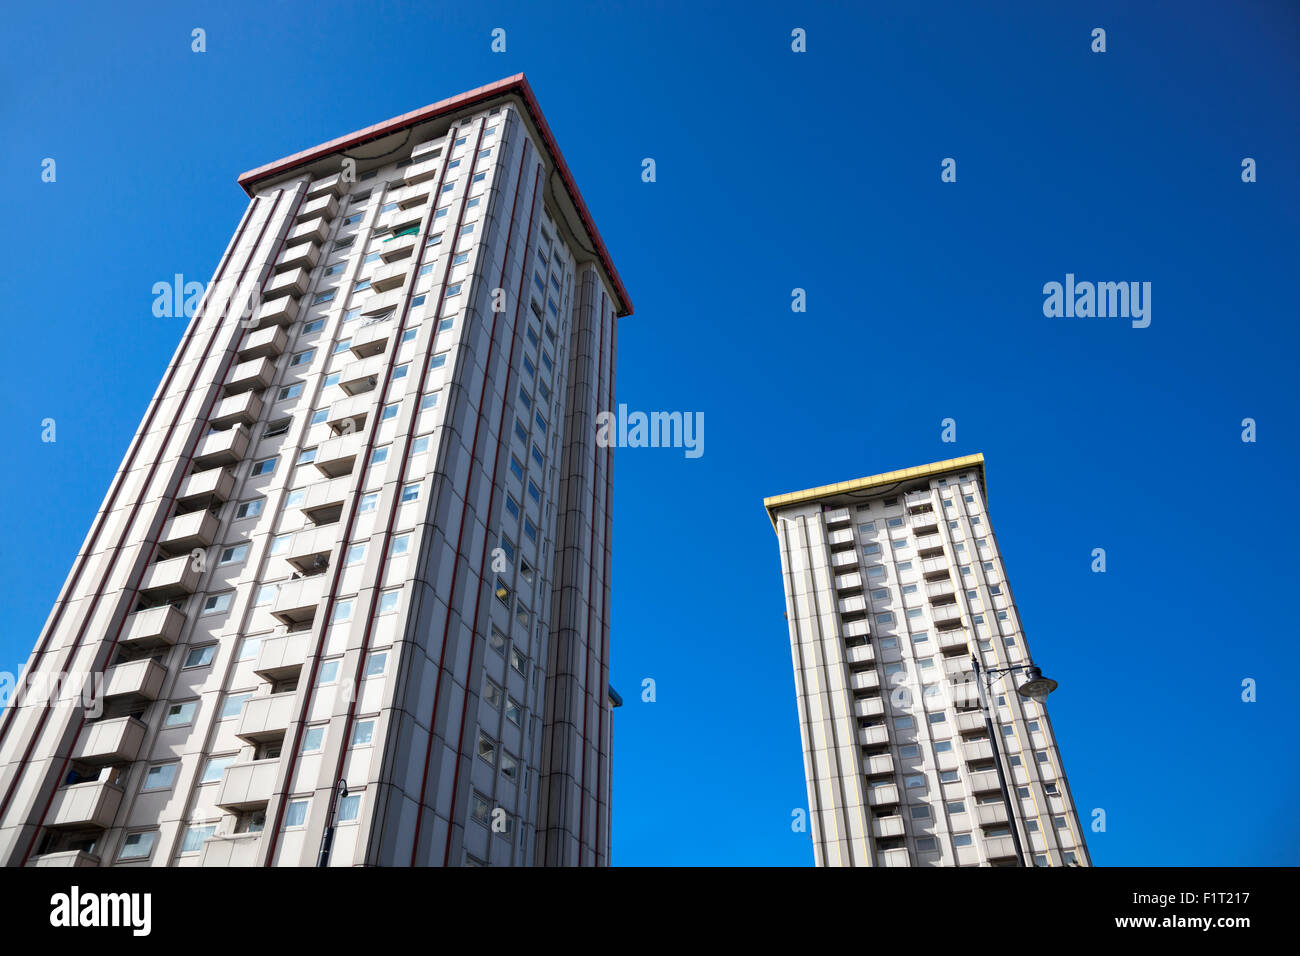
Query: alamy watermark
point(1102, 300)
point(651, 430)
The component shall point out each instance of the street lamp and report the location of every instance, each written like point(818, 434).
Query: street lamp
point(1036, 688)
point(340, 792)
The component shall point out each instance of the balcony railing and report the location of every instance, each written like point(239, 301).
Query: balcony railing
point(303, 255)
point(279, 311)
point(310, 550)
point(112, 741)
point(337, 456)
point(283, 656)
point(324, 206)
point(227, 447)
point(314, 230)
point(264, 343)
point(134, 682)
point(92, 804)
point(156, 627)
point(247, 786)
point(266, 718)
point(174, 577)
point(296, 601)
point(256, 374)
point(202, 488)
point(243, 408)
point(183, 533)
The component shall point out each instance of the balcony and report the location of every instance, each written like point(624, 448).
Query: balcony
point(310, 550)
point(883, 796)
point(92, 804)
point(953, 640)
point(337, 456)
point(856, 629)
point(362, 376)
point(897, 857)
point(264, 343)
point(266, 718)
point(323, 206)
point(347, 416)
point(946, 616)
point(112, 741)
point(873, 736)
point(862, 654)
point(996, 848)
point(304, 255)
point(242, 409)
point(843, 561)
point(422, 172)
point(394, 250)
point(135, 682)
point(917, 499)
point(890, 825)
point(864, 680)
point(971, 721)
point(323, 502)
point(247, 786)
point(183, 533)
point(172, 578)
point(281, 311)
point(410, 198)
point(880, 764)
point(848, 584)
point(293, 282)
point(925, 524)
point(256, 374)
point(856, 605)
point(837, 517)
point(840, 539)
point(233, 849)
point(989, 814)
point(940, 592)
point(156, 627)
point(935, 569)
point(329, 185)
point(203, 488)
point(977, 750)
point(929, 546)
point(296, 601)
point(283, 656)
point(314, 230)
point(870, 707)
point(957, 667)
point(222, 448)
point(984, 781)
point(65, 858)
point(372, 338)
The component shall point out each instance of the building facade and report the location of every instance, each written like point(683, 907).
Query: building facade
point(361, 538)
point(893, 585)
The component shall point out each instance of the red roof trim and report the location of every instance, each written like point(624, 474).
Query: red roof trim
point(511, 84)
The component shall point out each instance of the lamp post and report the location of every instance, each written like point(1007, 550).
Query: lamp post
point(339, 792)
point(1036, 688)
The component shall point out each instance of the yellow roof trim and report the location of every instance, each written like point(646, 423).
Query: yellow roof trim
point(875, 481)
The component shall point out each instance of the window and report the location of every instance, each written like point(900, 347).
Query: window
point(263, 467)
point(390, 411)
point(179, 715)
point(368, 503)
point(363, 733)
point(215, 767)
point(196, 835)
point(961, 839)
point(530, 529)
point(200, 656)
point(315, 325)
point(388, 601)
point(518, 661)
point(265, 594)
point(497, 640)
point(302, 358)
point(355, 555)
point(160, 777)
point(926, 845)
point(420, 445)
point(512, 506)
point(328, 294)
point(307, 456)
point(429, 401)
point(379, 456)
point(909, 750)
point(411, 492)
point(487, 749)
point(277, 428)
point(296, 814)
point(280, 544)
point(233, 705)
point(871, 549)
point(329, 672)
point(956, 806)
point(401, 371)
point(942, 746)
point(920, 813)
point(313, 739)
point(349, 808)
point(914, 781)
point(138, 845)
point(376, 663)
point(400, 546)
point(904, 723)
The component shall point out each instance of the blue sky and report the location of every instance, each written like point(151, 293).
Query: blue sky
point(778, 170)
